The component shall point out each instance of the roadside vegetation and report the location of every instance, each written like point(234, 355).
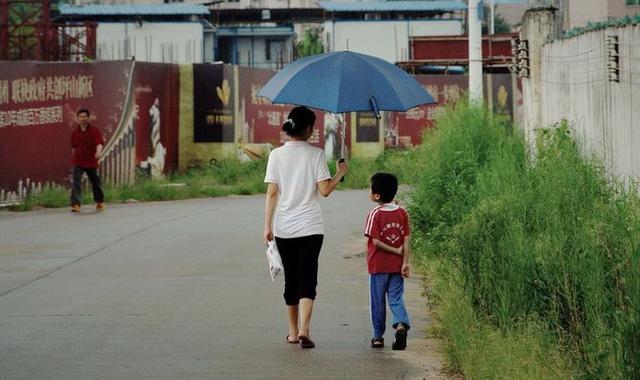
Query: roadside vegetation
point(226, 177)
point(533, 265)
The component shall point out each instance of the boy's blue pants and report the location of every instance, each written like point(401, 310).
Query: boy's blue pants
point(390, 285)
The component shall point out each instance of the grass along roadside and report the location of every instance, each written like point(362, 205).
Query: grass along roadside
point(535, 263)
point(227, 177)
point(478, 349)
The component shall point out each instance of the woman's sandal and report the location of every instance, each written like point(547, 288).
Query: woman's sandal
point(377, 343)
point(306, 342)
point(292, 341)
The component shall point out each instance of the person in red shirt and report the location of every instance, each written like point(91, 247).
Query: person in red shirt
point(388, 250)
point(86, 144)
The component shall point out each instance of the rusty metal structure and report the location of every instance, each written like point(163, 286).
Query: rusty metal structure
point(27, 32)
point(454, 51)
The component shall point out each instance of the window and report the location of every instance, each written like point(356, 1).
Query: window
point(633, 2)
point(274, 49)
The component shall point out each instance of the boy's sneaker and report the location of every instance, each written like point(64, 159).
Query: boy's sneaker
point(100, 206)
point(75, 208)
point(400, 343)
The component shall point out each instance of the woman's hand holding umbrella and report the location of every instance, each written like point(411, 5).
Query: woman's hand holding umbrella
point(342, 168)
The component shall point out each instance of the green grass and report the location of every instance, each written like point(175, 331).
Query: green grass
point(227, 177)
point(478, 349)
point(400, 163)
point(545, 252)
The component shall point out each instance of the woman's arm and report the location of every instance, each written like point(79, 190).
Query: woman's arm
point(269, 209)
point(327, 186)
point(385, 247)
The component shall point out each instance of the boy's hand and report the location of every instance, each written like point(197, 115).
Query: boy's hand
point(406, 270)
point(400, 251)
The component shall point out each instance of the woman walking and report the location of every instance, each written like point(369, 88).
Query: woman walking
point(297, 174)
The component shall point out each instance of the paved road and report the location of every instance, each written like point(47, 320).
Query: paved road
point(180, 290)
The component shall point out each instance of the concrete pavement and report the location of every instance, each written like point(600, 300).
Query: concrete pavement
point(180, 290)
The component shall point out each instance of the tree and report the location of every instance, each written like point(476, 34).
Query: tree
point(311, 43)
point(500, 24)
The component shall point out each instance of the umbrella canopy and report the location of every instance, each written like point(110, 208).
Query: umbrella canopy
point(345, 82)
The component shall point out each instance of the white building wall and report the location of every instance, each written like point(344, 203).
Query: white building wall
point(176, 42)
point(244, 50)
point(388, 40)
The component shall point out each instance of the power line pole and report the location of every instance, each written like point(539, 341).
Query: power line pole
point(492, 28)
point(475, 52)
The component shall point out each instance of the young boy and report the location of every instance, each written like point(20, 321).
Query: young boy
point(387, 230)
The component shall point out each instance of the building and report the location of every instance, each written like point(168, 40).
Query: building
point(263, 46)
point(263, 33)
point(577, 13)
point(621, 8)
point(171, 33)
point(384, 28)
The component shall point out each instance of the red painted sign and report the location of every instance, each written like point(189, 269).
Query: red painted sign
point(157, 117)
point(405, 129)
point(262, 120)
point(38, 104)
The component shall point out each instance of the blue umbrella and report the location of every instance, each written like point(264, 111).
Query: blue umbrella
point(345, 82)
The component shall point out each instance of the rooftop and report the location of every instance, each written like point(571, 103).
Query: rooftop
point(132, 10)
point(394, 6)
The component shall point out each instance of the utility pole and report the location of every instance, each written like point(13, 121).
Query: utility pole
point(475, 52)
point(492, 27)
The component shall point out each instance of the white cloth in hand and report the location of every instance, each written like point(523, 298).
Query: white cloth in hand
point(274, 260)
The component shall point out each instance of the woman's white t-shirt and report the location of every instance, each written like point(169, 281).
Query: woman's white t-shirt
point(297, 167)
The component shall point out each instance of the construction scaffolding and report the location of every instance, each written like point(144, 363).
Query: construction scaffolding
point(28, 33)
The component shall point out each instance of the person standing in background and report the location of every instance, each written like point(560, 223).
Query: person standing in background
point(86, 145)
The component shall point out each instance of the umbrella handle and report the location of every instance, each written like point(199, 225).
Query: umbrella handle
point(342, 146)
point(374, 107)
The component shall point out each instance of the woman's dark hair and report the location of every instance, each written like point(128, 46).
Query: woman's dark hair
point(384, 184)
point(83, 110)
point(298, 120)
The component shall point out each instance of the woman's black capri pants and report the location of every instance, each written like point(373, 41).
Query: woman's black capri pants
point(300, 261)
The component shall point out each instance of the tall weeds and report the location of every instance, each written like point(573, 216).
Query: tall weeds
point(545, 242)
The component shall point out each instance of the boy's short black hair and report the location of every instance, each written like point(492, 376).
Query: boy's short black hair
point(384, 184)
point(83, 110)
